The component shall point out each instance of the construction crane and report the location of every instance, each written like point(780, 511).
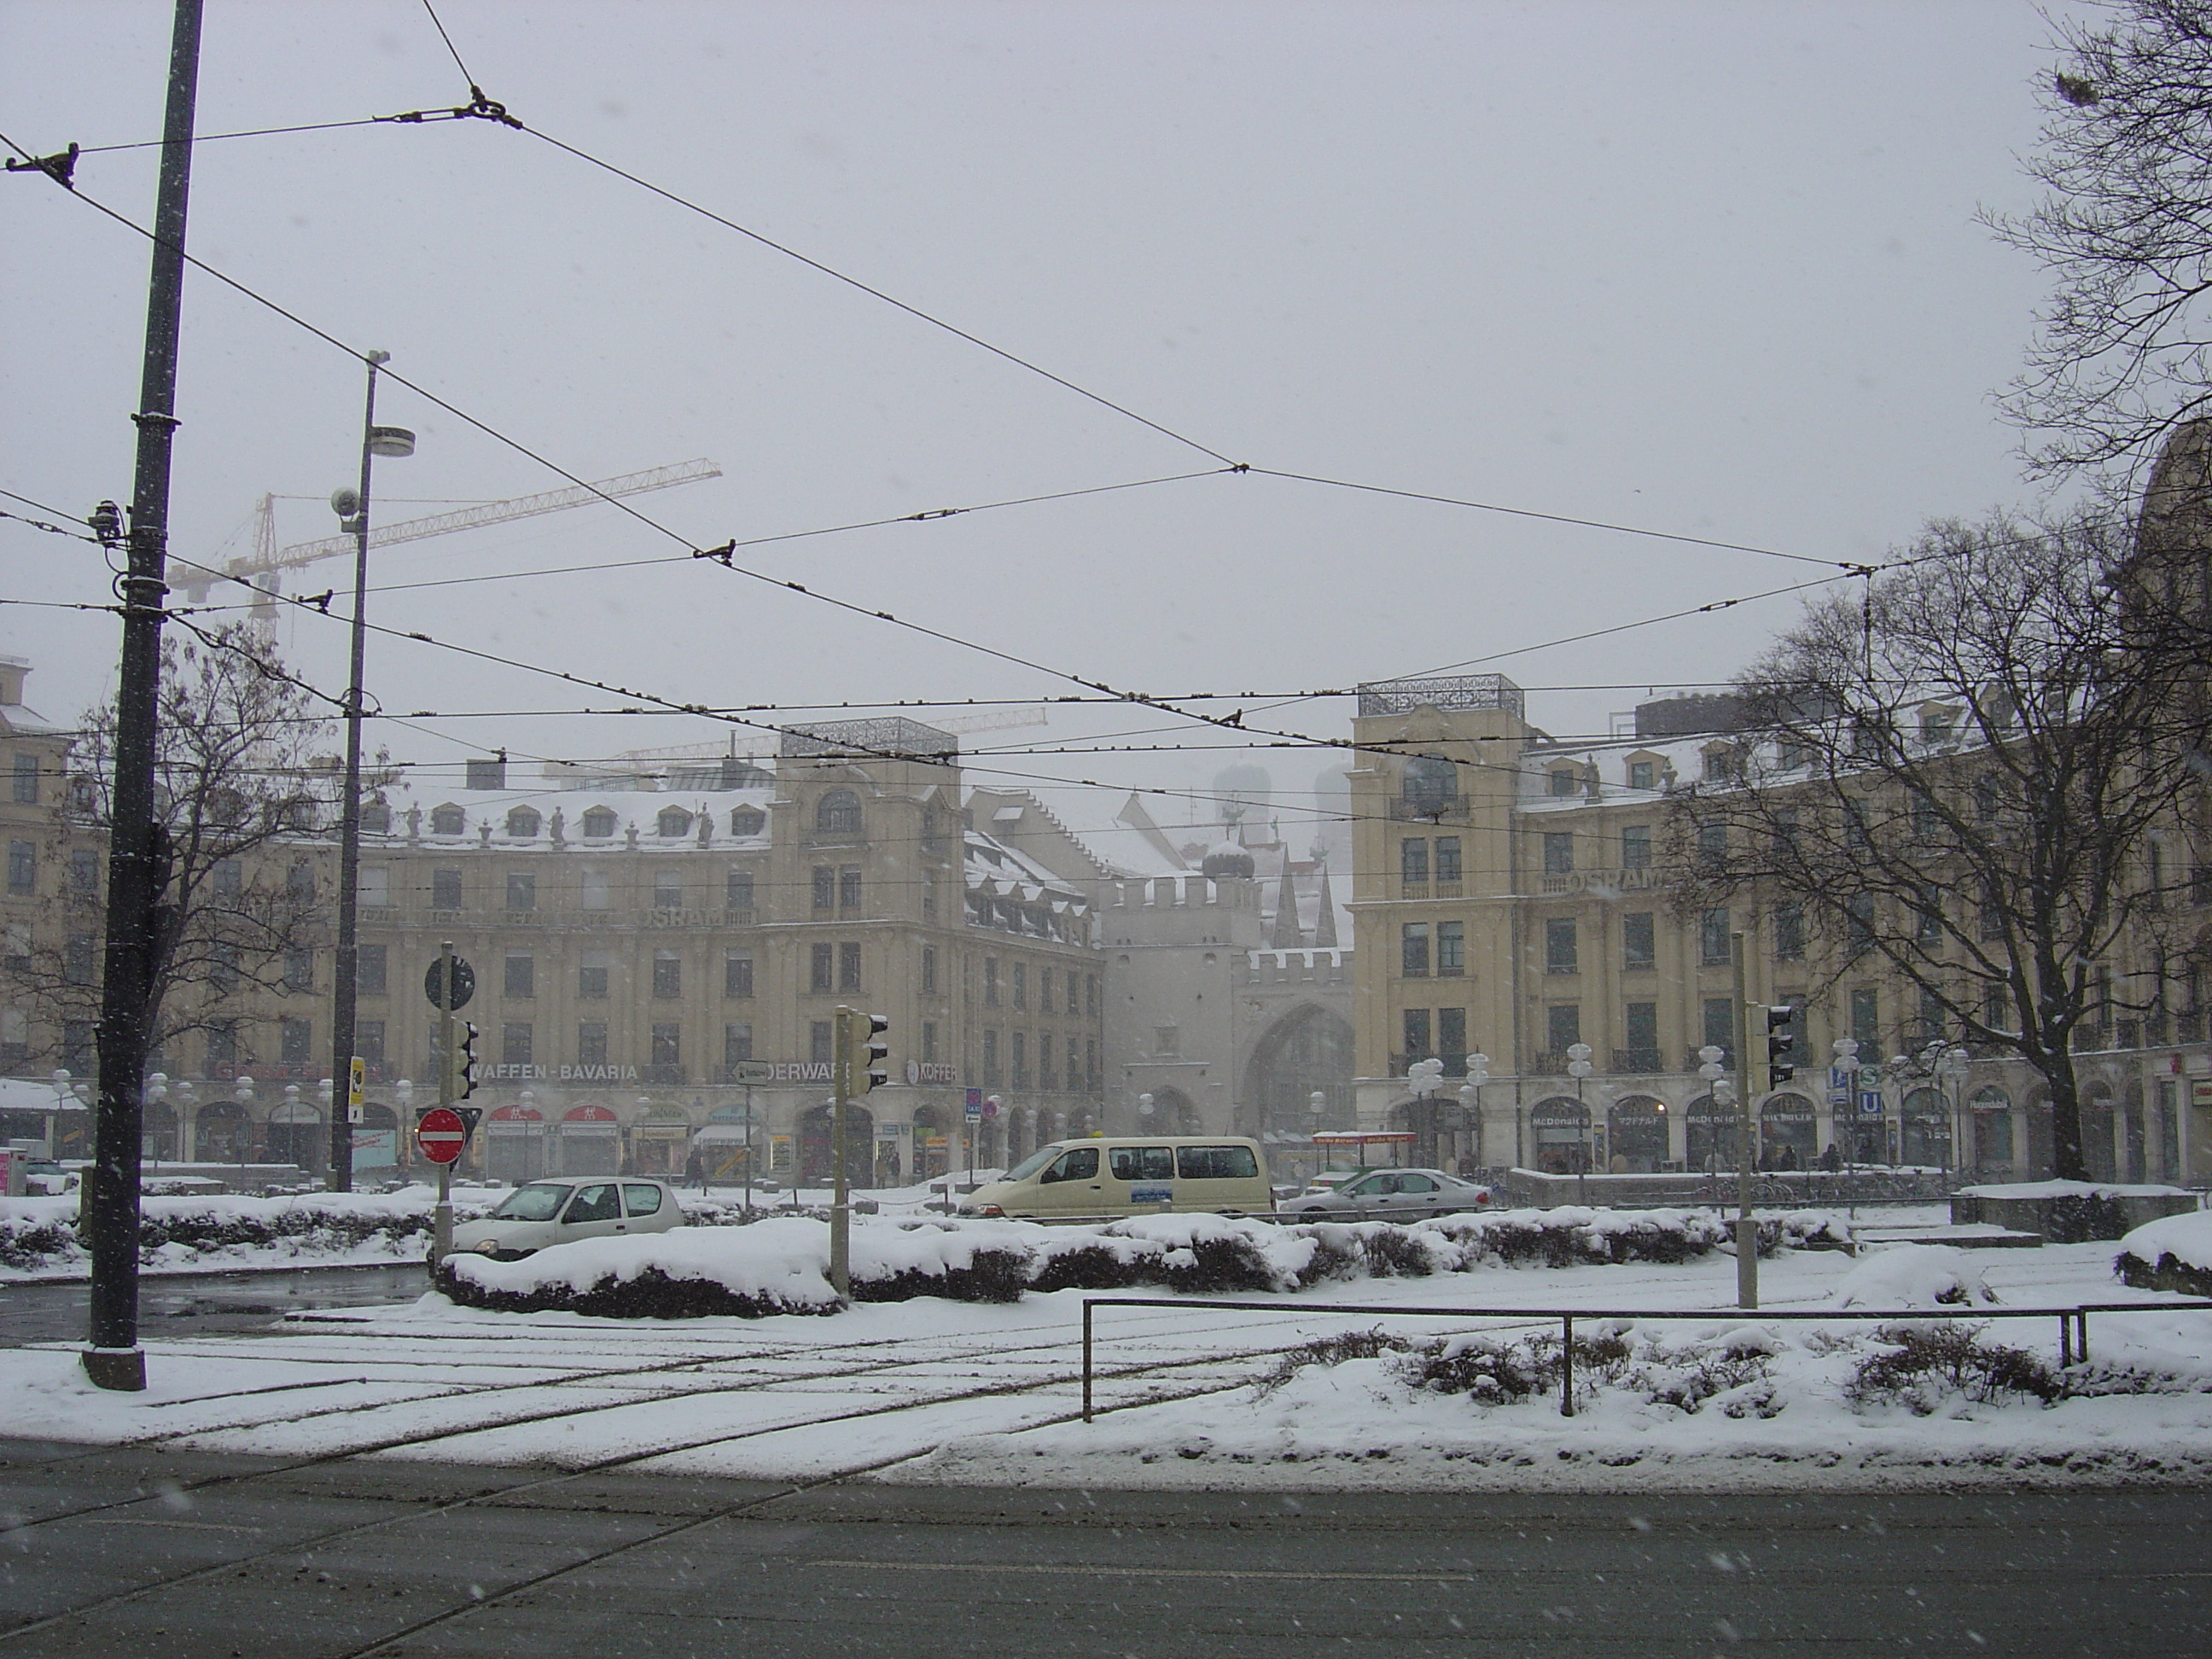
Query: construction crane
point(259, 568)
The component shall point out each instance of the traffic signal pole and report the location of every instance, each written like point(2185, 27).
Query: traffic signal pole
point(442, 1217)
point(841, 1214)
point(1747, 1229)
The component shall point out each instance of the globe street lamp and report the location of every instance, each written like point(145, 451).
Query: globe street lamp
point(1952, 1068)
point(1578, 1067)
point(1470, 1096)
point(352, 507)
point(1317, 1103)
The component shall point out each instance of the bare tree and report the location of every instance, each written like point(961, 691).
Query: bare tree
point(2121, 354)
point(1956, 781)
point(242, 788)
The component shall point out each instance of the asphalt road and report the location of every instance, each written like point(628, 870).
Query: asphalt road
point(111, 1552)
point(190, 1305)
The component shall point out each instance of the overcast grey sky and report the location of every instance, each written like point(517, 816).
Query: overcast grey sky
point(1706, 268)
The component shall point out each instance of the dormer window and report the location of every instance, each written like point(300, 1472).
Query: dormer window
point(599, 824)
point(1643, 775)
point(672, 822)
point(375, 818)
point(299, 814)
point(448, 820)
point(1939, 723)
point(1721, 763)
point(521, 824)
point(1561, 780)
point(748, 821)
point(838, 813)
point(1429, 784)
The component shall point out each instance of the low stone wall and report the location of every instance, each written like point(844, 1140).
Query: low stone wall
point(2068, 1211)
point(1772, 1189)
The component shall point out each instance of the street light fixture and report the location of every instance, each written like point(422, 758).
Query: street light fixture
point(1578, 1067)
point(352, 507)
point(1470, 1096)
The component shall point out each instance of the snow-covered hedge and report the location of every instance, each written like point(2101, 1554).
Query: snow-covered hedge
point(2172, 1254)
point(781, 1264)
point(44, 1236)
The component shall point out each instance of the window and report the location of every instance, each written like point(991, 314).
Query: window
point(668, 1053)
point(592, 1042)
point(369, 969)
point(77, 959)
point(592, 976)
point(229, 878)
point(1077, 1164)
point(929, 1040)
point(1558, 853)
point(1636, 846)
point(1418, 1038)
point(737, 1044)
point(673, 821)
point(848, 887)
point(1720, 1027)
point(598, 892)
point(990, 981)
point(1216, 1163)
point(1413, 950)
point(1018, 1050)
point(1639, 945)
point(825, 887)
point(1447, 858)
point(1451, 949)
point(448, 820)
point(1089, 1065)
point(838, 813)
point(368, 1042)
point(522, 890)
point(375, 818)
point(26, 780)
point(1429, 784)
point(1713, 937)
point(445, 890)
point(668, 890)
point(929, 970)
point(296, 1042)
point(1721, 763)
point(1074, 1007)
point(1451, 1036)
point(222, 967)
point(1414, 859)
point(1996, 1005)
point(737, 974)
point(299, 814)
point(1712, 847)
point(1928, 921)
point(1091, 995)
point(521, 974)
point(1560, 955)
point(667, 975)
point(1640, 1026)
point(738, 891)
point(1048, 1072)
point(1858, 921)
point(374, 886)
point(487, 773)
point(1045, 998)
point(1563, 1027)
point(1140, 1162)
point(84, 870)
point(22, 866)
point(521, 822)
point(299, 969)
point(221, 1045)
point(1021, 985)
point(821, 1038)
point(1932, 1020)
point(1927, 816)
point(599, 824)
point(1866, 1023)
point(1789, 932)
point(1561, 780)
point(514, 1043)
point(748, 821)
point(300, 880)
point(1167, 1041)
point(1641, 774)
point(822, 968)
point(848, 966)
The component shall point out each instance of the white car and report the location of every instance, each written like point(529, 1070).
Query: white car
point(1392, 1195)
point(542, 1212)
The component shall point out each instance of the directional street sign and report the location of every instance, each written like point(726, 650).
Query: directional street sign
point(752, 1071)
point(464, 983)
point(441, 1135)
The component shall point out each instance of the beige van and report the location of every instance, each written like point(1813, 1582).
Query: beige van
point(1131, 1175)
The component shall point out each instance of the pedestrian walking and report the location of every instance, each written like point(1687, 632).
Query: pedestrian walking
point(694, 1171)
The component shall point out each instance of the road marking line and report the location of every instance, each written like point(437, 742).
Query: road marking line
point(1156, 1572)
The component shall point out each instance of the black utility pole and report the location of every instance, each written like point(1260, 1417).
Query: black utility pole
point(137, 862)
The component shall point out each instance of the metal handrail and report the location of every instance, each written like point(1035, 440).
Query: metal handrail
point(2073, 1322)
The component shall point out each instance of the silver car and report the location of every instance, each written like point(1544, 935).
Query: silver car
point(1392, 1195)
point(542, 1212)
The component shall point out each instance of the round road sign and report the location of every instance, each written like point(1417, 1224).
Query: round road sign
point(441, 1134)
point(464, 983)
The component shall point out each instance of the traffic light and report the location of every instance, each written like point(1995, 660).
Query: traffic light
point(859, 1063)
point(1781, 1046)
point(463, 1062)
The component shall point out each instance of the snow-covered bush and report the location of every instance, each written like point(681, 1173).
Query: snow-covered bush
point(1921, 1365)
point(1914, 1276)
point(2174, 1253)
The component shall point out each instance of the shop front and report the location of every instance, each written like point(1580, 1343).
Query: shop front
point(589, 1141)
point(515, 1144)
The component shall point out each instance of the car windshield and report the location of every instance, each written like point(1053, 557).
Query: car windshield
point(1036, 1161)
point(537, 1201)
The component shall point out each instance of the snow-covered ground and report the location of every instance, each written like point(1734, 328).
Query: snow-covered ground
point(935, 1391)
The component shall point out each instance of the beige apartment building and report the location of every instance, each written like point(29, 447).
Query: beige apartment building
point(1510, 900)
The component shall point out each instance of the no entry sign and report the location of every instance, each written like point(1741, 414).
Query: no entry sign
point(441, 1135)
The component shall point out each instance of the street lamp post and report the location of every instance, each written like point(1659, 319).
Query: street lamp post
point(1578, 1067)
point(1470, 1094)
point(1425, 1077)
point(1953, 1070)
point(1317, 1103)
point(352, 509)
point(1845, 1051)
